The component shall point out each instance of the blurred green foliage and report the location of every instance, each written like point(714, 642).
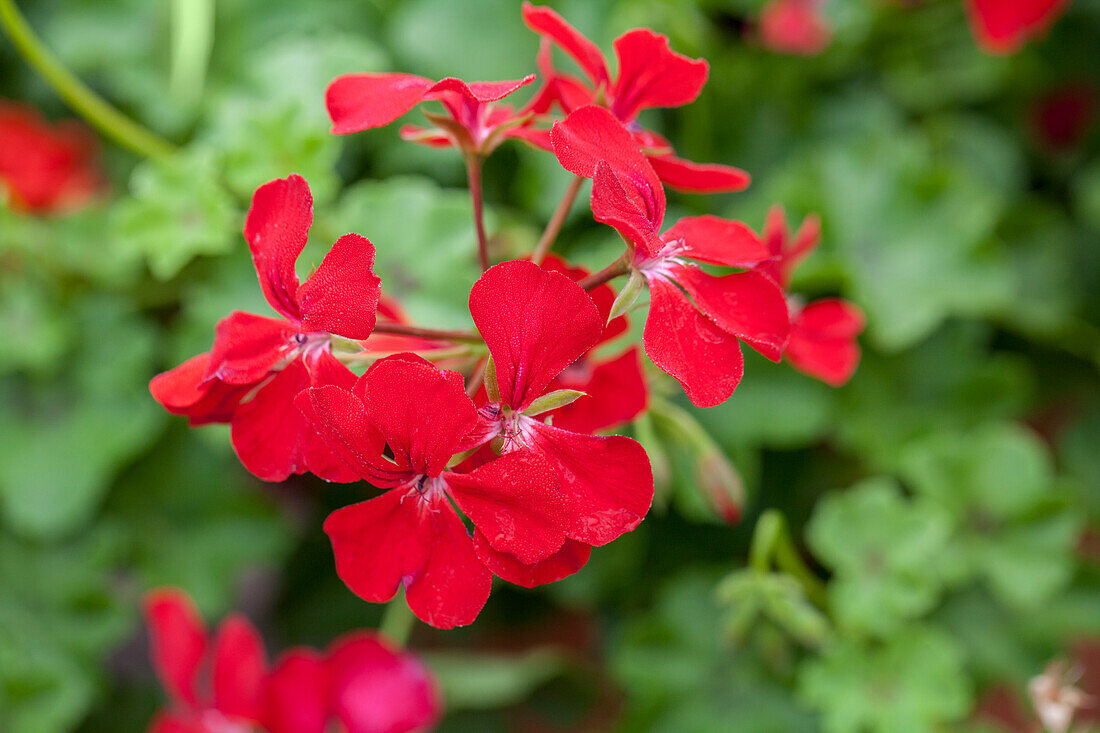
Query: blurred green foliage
point(942, 493)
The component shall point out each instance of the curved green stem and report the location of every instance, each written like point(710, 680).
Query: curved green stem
point(397, 620)
point(772, 540)
point(473, 176)
point(93, 108)
point(546, 241)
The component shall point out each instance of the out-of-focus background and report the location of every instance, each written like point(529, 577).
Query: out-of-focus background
point(949, 494)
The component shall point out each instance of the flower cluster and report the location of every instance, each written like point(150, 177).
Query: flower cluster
point(45, 168)
point(491, 446)
point(223, 684)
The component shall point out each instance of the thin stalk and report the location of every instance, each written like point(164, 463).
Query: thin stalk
point(477, 378)
point(397, 620)
point(612, 271)
point(553, 227)
point(772, 540)
point(401, 329)
point(89, 105)
point(473, 175)
point(191, 43)
point(454, 352)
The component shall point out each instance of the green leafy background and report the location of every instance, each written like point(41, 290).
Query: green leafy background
point(946, 496)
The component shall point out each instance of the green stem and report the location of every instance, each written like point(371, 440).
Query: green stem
point(87, 103)
point(473, 176)
point(772, 540)
point(401, 329)
point(546, 241)
point(397, 620)
point(192, 42)
point(612, 271)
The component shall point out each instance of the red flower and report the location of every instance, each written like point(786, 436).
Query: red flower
point(411, 535)
point(361, 682)
point(1003, 26)
point(45, 168)
point(614, 388)
point(650, 75)
point(1062, 117)
point(794, 27)
point(823, 333)
point(230, 698)
point(258, 364)
point(358, 102)
point(695, 319)
point(535, 324)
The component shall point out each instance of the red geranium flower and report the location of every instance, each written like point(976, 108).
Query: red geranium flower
point(361, 684)
point(1003, 26)
point(795, 27)
point(215, 686)
point(258, 364)
point(535, 324)
point(45, 168)
point(695, 319)
point(614, 388)
point(823, 333)
point(358, 102)
point(411, 535)
point(650, 75)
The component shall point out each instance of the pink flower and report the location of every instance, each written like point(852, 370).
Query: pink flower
point(1003, 26)
point(696, 320)
point(823, 333)
point(230, 698)
point(474, 123)
point(794, 27)
point(411, 535)
point(535, 324)
point(258, 364)
point(650, 75)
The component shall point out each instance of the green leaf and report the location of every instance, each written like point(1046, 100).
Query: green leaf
point(177, 211)
point(911, 683)
point(775, 597)
point(885, 552)
point(472, 680)
point(552, 401)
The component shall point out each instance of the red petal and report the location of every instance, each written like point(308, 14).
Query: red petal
point(276, 229)
point(341, 296)
point(606, 481)
point(651, 74)
point(480, 91)
point(683, 342)
point(823, 340)
point(340, 421)
point(171, 723)
point(358, 102)
point(632, 215)
point(296, 694)
point(247, 347)
point(184, 391)
point(549, 24)
point(535, 324)
point(1002, 26)
point(422, 412)
point(794, 27)
point(453, 585)
point(602, 295)
point(718, 241)
point(178, 639)
point(569, 559)
point(274, 439)
point(684, 175)
point(615, 393)
point(591, 134)
point(748, 305)
point(377, 689)
point(240, 665)
point(379, 543)
point(514, 501)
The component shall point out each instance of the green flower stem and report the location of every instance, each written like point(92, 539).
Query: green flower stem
point(397, 620)
point(473, 175)
point(612, 271)
point(772, 540)
point(546, 241)
point(192, 42)
point(401, 329)
point(93, 108)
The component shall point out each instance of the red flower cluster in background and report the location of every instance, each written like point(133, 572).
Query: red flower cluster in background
point(794, 27)
point(45, 168)
point(1003, 26)
point(224, 685)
